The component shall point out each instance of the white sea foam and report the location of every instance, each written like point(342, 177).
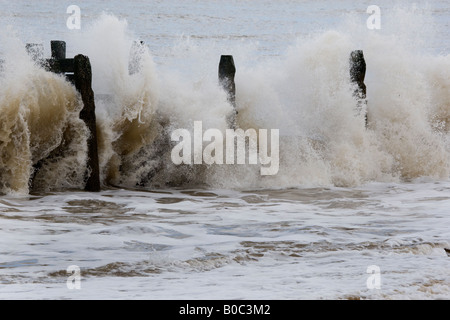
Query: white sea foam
point(285, 244)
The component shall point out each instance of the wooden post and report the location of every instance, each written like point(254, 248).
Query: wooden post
point(83, 83)
point(357, 75)
point(58, 62)
point(227, 71)
point(58, 49)
point(79, 72)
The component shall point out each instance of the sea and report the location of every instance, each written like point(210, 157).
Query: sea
point(355, 211)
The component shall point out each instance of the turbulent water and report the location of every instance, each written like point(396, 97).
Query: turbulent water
point(346, 197)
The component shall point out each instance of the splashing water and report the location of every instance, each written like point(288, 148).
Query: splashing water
point(306, 93)
point(342, 200)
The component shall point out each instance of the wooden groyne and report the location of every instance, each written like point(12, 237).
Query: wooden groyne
point(78, 71)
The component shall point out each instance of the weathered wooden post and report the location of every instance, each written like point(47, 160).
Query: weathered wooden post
point(58, 49)
point(357, 75)
point(83, 83)
point(78, 71)
point(227, 71)
point(58, 62)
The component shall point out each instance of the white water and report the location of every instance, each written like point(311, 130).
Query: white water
point(217, 244)
point(345, 197)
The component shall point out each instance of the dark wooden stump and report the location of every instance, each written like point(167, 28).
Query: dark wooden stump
point(78, 71)
point(83, 83)
point(227, 71)
point(58, 62)
point(357, 75)
point(58, 49)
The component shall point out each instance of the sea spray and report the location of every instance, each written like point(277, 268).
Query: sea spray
point(39, 125)
point(126, 117)
point(135, 120)
point(306, 93)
